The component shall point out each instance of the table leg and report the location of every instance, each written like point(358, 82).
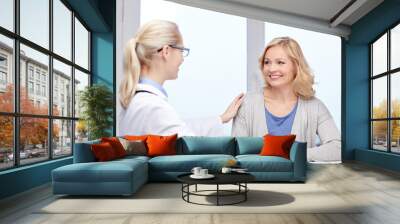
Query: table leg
point(182, 190)
point(217, 194)
point(245, 191)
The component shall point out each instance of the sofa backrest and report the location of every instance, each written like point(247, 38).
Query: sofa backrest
point(83, 153)
point(192, 145)
point(249, 145)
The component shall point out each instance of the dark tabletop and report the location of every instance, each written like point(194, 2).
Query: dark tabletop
point(220, 178)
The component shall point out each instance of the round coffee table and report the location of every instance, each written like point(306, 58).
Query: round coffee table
point(238, 179)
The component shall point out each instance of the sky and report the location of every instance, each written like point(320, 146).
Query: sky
point(215, 70)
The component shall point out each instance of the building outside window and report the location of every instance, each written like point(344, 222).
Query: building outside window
point(30, 87)
point(38, 89)
point(43, 77)
point(37, 74)
point(34, 78)
point(43, 90)
point(3, 79)
point(3, 72)
point(3, 61)
point(30, 72)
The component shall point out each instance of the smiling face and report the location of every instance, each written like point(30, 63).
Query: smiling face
point(278, 68)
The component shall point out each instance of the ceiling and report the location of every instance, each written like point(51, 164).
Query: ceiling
point(326, 16)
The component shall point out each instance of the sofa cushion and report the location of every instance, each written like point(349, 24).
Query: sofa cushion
point(112, 171)
point(161, 145)
point(257, 163)
point(134, 147)
point(185, 163)
point(277, 145)
point(194, 145)
point(131, 158)
point(103, 152)
point(136, 137)
point(249, 145)
point(116, 145)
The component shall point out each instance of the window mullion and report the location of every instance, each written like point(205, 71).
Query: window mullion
point(389, 105)
point(50, 81)
point(16, 84)
point(371, 98)
point(73, 83)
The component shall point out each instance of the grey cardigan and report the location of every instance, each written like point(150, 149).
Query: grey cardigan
point(312, 118)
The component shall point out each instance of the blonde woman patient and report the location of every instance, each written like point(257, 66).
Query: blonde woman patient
point(287, 104)
point(153, 57)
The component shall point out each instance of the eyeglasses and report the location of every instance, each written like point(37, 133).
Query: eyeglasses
point(185, 51)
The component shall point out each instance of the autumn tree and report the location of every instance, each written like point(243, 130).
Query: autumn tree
point(33, 130)
point(380, 127)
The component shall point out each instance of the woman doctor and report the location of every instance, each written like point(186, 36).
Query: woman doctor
point(152, 57)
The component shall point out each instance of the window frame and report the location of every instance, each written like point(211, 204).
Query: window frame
point(16, 115)
point(388, 74)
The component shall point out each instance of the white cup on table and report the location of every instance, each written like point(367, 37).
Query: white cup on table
point(196, 171)
point(226, 170)
point(203, 172)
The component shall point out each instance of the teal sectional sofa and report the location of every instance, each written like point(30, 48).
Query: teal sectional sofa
point(125, 176)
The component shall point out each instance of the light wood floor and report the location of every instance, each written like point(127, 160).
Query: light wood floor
point(378, 188)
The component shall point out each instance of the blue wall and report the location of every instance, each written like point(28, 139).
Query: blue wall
point(103, 62)
point(357, 84)
point(99, 16)
point(24, 178)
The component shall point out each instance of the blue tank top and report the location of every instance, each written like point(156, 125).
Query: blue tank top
point(279, 126)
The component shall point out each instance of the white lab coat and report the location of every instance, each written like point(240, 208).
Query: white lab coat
point(150, 113)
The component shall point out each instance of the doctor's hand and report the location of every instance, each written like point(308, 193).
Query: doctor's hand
point(232, 109)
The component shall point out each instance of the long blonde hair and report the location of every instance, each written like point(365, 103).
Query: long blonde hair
point(304, 79)
point(139, 51)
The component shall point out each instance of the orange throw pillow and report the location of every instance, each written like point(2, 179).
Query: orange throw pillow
point(116, 145)
point(161, 145)
point(103, 152)
point(277, 145)
point(136, 137)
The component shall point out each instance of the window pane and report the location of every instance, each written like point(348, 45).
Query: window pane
point(35, 21)
point(395, 94)
point(379, 98)
point(33, 140)
point(7, 14)
point(379, 135)
point(6, 142)
point(379, 55)
point(81, 81)
point(395, 47)
point(81, 131)
point(62, 133)
point(34, 97)
point(81, 45)
point(395, 138)
point(6, 74)
point(62, 89)
point(62, 29)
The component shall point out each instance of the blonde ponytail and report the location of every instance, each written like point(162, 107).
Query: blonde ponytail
point(140, 50)
point(131, 73)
